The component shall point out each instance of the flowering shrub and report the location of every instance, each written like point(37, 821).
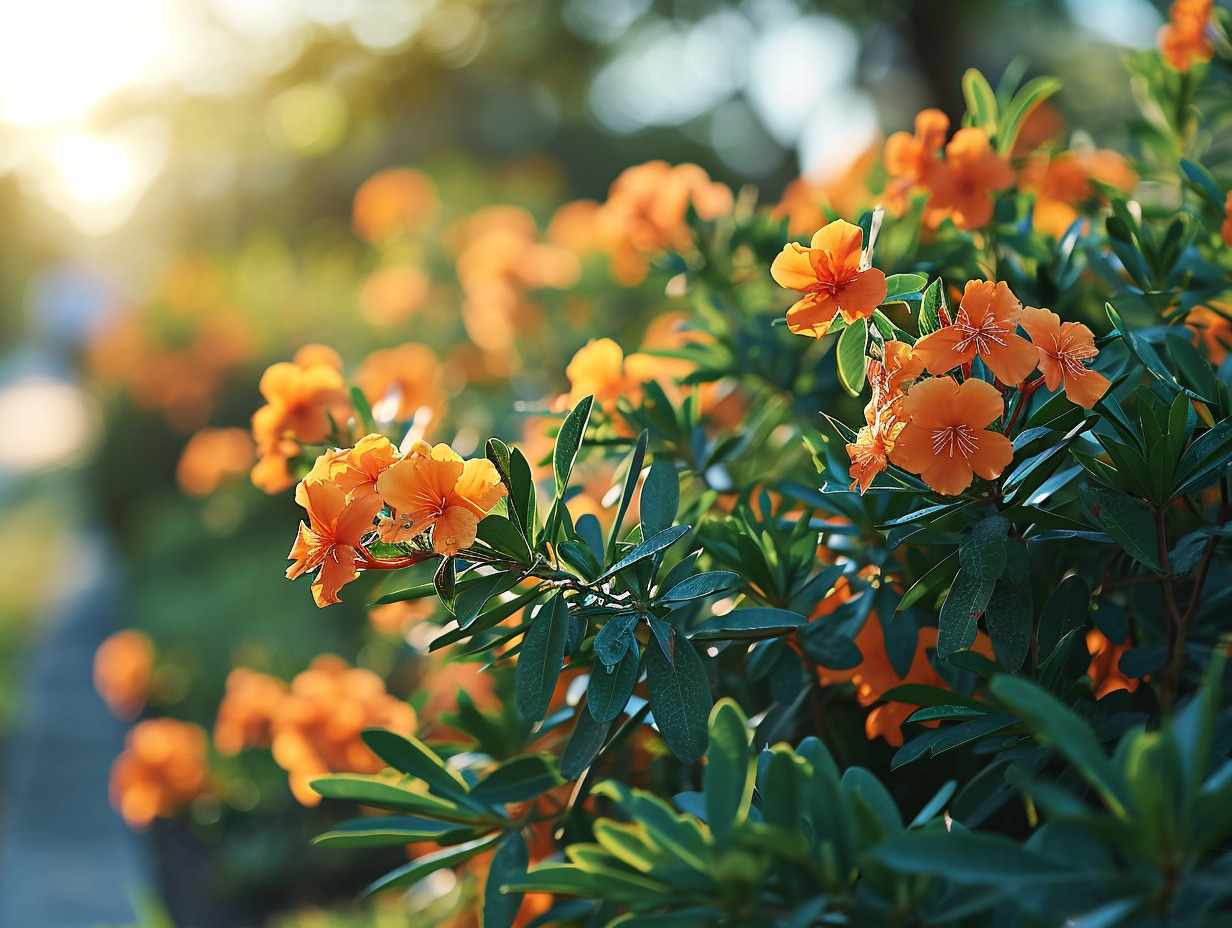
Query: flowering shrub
point(945, 489)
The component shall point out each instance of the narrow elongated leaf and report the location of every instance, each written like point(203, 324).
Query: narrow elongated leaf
point(1127, 521)
point(930, 308)
point(612, 640)
point(583, 745)
point(384, 830)
point(966, 857)
point(636, 457)
point(648, 548)
point(410, 755)
point(568, 441)
point(419, 591)
point(416, 870)
point(680, 698)
point(541, 657)
point(901, 285)
point(472, 598)
point(660, 497)
point(741, 624)
point(1033, 93)
point(699, 585)
point(509, 863)
point(502, 535)
point(517, 780)
point(385, 794)
point(981, 101)
point(1009, 617)
point(983, 553)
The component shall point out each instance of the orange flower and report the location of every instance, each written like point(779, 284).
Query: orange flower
point(645, 213)
point(909, 159)
point(392, 294)
point(316, 727)
point(123, 666)
point(398, 382)
point(830, 274)
point(397, 200)
point(875, 676)
point(1104, 669)
point(354, 470)
point(946, 440)
point(962, 186)
point(301, 398)
point(162, 768)
point(599, 369)
point(434, 488)
point(333, 541)
point(984, 326)
point(211, 457)
point(808, 204)
point(247, 711)
point(1182, 40)
point(1063, 347)
point(1225, 231)
point(1214, 328)
point(1062, 184)
point(883, 415)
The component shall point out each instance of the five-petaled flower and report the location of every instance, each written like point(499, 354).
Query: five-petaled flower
point(963, 185)
point(434, 488)
point(984, 327)
point(946, 438)
point(830, 275)
point(1063, 348)
point(333, 539)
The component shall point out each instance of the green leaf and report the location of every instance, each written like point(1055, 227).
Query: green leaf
point(609, 688)
point(930, 308)
point(827, 647)
point(680, 699)
point(1126, 520)
point(509, 863)
point(660, 497)
point(966, 857)
point(518, 779)
point(384, 830)
point(541, 657)
point(363, 410)
point(583, 746)
point(983, 553)
point(445, 580)
point(1056, 725)
point(981, 101)
point(742, 624)
point(568, 441)
point(502, 535)
point(937, 577)
point(1065, 609)
point(612, 640)
point(632, 475)
point(968, 597)
point(419, 591)
point(850, 356)
point(1203, 181)
point(1009, 618)
point(497, 452)
point(901, 285)
point(701, 585)
point(416, 870)
point(1033, 93)
point(387, 794)
point(648, 548)
point(410, 755)
point(471, 599)
point(727, 781)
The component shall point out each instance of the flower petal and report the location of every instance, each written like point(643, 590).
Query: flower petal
point(792, 268)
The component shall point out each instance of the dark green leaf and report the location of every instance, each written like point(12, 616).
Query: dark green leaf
point(541, 657)
point(416, 870)
point(583, 745)
point(612, 640)
point(965, 857)
point(419, 591)
point(701, 585)
point(648, 548)
point(509, 863)
point(901, 285)
point(660, 497)
point(517, 780)
point(968, 597)
point(384, 830)
point(983, 553)
point(1127, 521)
point(739, 624)
point(568, 441)
point(632, 475)
point(609, 688)
point(410, 755)
point(680, 698)
point(727, 782)
point(502, 535)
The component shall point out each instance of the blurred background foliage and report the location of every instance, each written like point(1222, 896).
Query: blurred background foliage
point(192, 164)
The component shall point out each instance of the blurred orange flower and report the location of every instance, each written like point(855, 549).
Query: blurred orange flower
point(399, 382)
point(247, 711)
point(316, 726)
point(393, 201)
point(1183, 40)
point(333, 539)
point(392, 294)
point(434, 488)
point(646, 213)
point(162, 768)
point(809, 204)
point(123, 667)
point(985, 327)
point(962, 186)
point(211, 457)
point(883, 414)
point(1064, 347)
point(832, 277)
point(909, 159)
point(946, 440)
point(1225, 231)
point(1214, 327)
point(1104, 669)
point(600, 369)
point(1062, 184)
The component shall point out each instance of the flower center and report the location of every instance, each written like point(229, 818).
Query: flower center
point(946, 440)
point(983, 336)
